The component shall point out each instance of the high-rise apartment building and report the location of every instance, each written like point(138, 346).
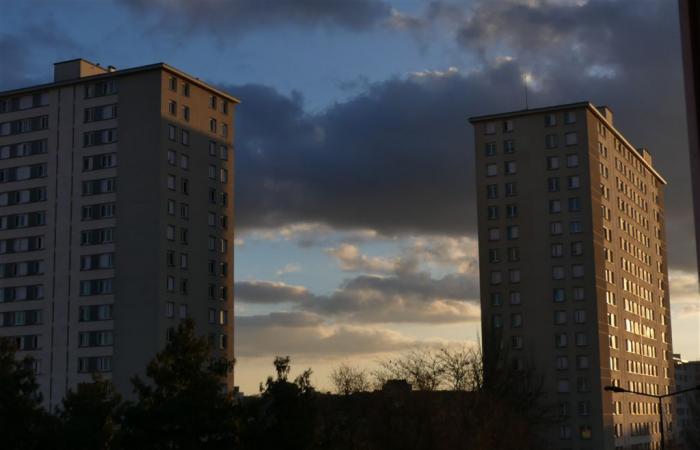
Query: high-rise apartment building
point(573, 269)
point(116, 219)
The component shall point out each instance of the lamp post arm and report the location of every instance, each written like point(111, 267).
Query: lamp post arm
point(696, 388)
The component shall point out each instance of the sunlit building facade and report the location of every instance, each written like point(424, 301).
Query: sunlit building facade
point(573, 269)
point(116, 219)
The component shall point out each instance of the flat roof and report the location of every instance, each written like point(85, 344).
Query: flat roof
point(131, 70)
point(584, 104)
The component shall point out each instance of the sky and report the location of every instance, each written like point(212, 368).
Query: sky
point(354, 181)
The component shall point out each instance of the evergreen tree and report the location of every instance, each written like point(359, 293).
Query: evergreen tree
point(182, 405)
point(90, 415)
point(24, 424)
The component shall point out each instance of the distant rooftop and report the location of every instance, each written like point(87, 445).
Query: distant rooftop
point(78, 70)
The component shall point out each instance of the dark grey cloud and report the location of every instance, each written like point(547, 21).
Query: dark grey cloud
point(270, 292)
point(234, 17)
point(305, 334)
point(18, 51)
point(404, 297)
point(397, 157)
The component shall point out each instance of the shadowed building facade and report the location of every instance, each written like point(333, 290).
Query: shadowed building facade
point(573, 268)
point(116, 219)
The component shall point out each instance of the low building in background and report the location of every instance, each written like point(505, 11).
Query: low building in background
point(687, 405)
point(116, 219)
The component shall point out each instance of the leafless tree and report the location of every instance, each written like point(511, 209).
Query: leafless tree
point(348, 380)
point(422, 368)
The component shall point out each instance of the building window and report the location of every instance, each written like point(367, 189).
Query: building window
point(512, 210)
point(582, 362)
point(557, 250)
point(569, 117)
point(579, 294)
point(581, 339)
point(494, 234)
point(497, 321)
point(172, 84)
point(555, 228)
point(212, 125)
point(563, 385)
point(510, 167)
point(490, 128)
point(172, 132)
point(514, 297)
point(224, 106)
point(496, 277)
point(491, 170)
point(184, 162)
point(182, 311)
point(508, 126)
point(513, 232)
point(212, 102)
point(492, 191)
point(172, 157)
point(555, 206)
point(172, 107)
point(496, 299)
point(513, 254)
point(511, 189)
point(490, 149)
point(580, 316)
point(571, 138)
point(559, 317)
point(494, 256)
point(552, 162)
point(516, 342)
point(516, 320)
point(574, 182)
point(514, 275)
point(493, 212)
point(576, 248)
point(558, 273)
point(171, 182)
point(560, 340)
point(186, 113)
point(186, 89)
point(170, 258)
point(224, 129)
point(223, 152)
point(572, 160)
point(509, 146)
point(170, 232)
point(551, 141)
point(184, 261)
point(223, 175)
point(185, 137)
point(562, 362)
point(558, 295)
point(185, 186)
point(575, 227)
point(170, 284)
point(553, 184)
point(550, 120)
point(574, 204)
point(170, 309)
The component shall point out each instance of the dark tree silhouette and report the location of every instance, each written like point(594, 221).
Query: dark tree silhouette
point(90, 416)
point(182, 405)
point(24, 424)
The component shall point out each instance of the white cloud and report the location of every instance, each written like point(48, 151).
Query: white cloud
point(289, 268)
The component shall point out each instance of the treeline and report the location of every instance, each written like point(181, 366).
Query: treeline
point(180, 405)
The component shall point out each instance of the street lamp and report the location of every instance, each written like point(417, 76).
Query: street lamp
point(619, 390)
